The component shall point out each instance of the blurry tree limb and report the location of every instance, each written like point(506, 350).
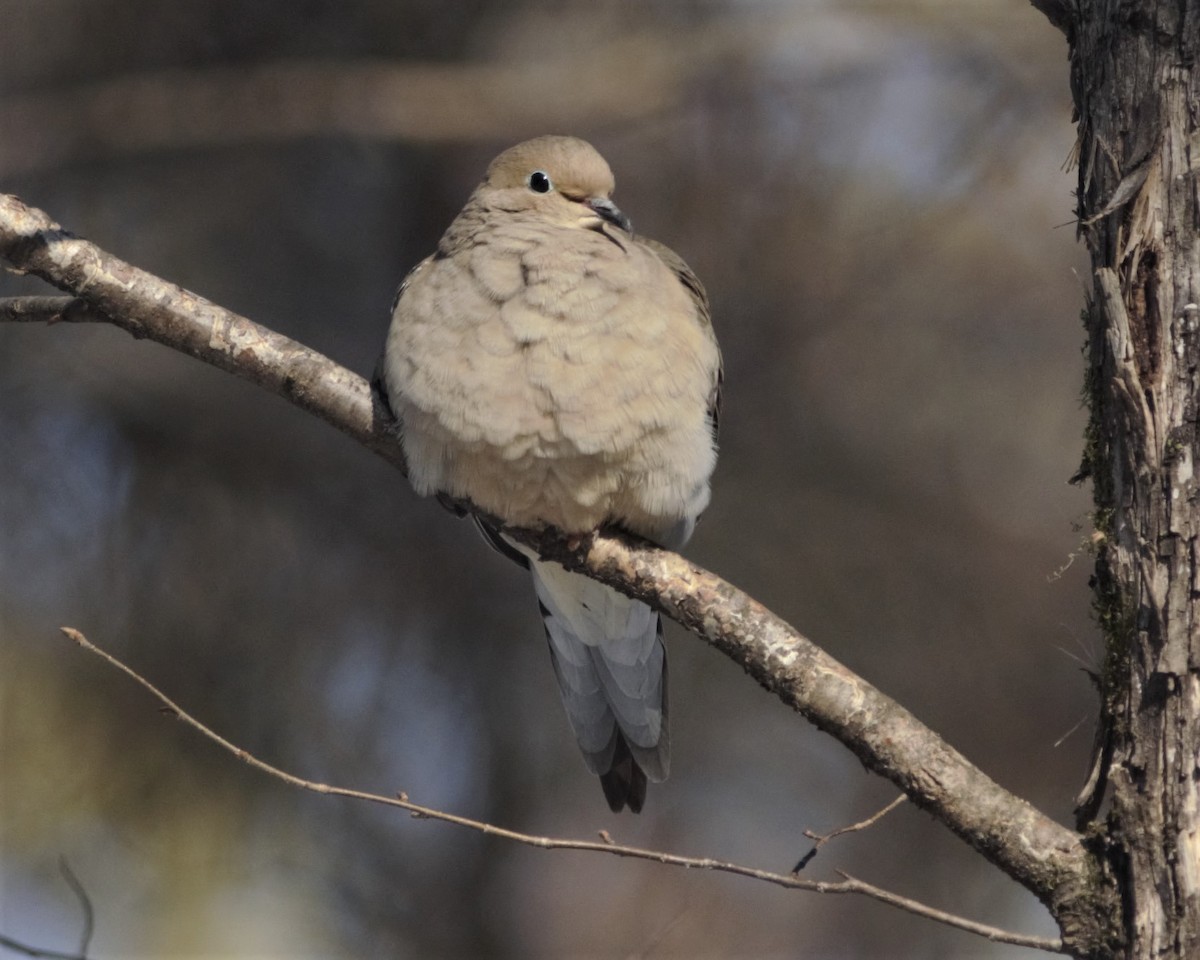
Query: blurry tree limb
point(1048, 859)
point(641, 75)
point(16, 946)
point(85, 905)
point(418, 102)
point(847, 884)
point(85, 936)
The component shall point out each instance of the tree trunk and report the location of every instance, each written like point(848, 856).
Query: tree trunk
point(1135, 83)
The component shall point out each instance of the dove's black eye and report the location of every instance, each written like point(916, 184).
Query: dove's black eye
point(539, 182)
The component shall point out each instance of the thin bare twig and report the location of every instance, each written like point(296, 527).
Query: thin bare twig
point(49, 310)
point(85, 903)
point(85, 938)
point(648, 948)
point(847, 884)
point(16, 946)
point(821, 840)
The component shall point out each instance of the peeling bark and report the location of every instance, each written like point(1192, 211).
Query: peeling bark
point(1137, 94)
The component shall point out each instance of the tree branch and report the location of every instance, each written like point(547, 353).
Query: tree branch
point(49, 310)
point(85, 937)
point(1045, 857)
point(847, 884)
point(16, 946)
point(147, 307)
point(419, 102)
point(821, 839)
point(1060, 13)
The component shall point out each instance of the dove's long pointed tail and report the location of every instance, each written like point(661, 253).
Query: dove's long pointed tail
point(612, 674)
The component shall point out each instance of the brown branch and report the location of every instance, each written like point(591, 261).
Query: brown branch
point(847, 884)
point(418, 102)
point(1039, 853)
point(822, 839)
point(147, 307)
point(1045, 857)
point(49, 310)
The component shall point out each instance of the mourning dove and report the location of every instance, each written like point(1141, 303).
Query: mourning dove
point(554, 369)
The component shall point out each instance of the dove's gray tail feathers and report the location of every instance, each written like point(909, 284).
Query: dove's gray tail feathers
point(611, 666)
point(625, 782)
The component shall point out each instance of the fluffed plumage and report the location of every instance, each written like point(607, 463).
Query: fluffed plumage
point(554, 369)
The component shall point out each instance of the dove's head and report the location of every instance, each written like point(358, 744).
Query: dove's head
point(563, 179)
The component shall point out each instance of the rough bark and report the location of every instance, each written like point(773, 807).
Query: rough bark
point(1137, 96)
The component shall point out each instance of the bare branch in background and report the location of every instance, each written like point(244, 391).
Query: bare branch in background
point(85, 904)
point(16, 946)
point(643, 74)
point(85, 936)
point(847, 884)
point(822, 839)
point(380, 100)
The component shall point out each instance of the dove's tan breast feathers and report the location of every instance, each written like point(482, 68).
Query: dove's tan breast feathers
point(553, 368)
point(549, 366)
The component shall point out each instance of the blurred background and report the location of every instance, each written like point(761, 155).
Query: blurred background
point(874, 194)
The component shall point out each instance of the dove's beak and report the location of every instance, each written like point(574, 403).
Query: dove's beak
point(607, 210)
